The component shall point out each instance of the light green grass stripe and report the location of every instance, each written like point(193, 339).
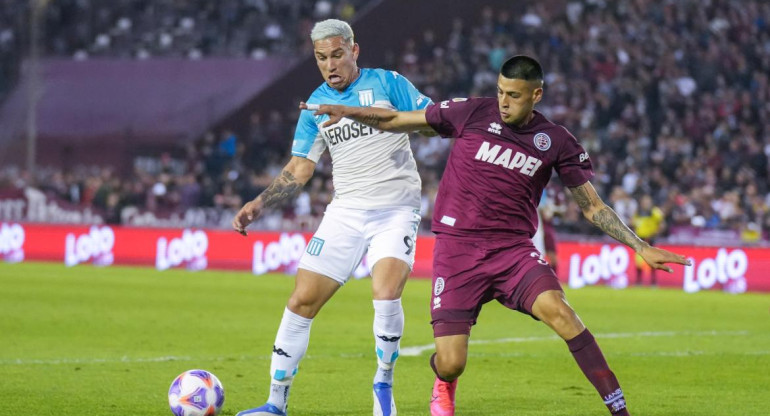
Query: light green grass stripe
point(408, 351)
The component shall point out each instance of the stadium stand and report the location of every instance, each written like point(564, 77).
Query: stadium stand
point(671, 99)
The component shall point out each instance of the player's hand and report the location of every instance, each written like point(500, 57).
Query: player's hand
point(335, 112)
point(246, 216)
point(657, 258)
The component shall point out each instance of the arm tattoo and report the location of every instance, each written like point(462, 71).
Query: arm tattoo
point(609, 222)
point(371, 120)
point(581, 197)
point(283, 188)
point(606, 218)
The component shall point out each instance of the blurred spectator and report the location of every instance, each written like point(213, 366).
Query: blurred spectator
point(648, 222)
point(141, 29)
point(671, 99)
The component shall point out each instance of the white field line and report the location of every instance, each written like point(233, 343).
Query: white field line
point(405, 351)
point(417, 350)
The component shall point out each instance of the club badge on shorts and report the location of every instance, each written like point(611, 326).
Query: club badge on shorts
point(438, 287)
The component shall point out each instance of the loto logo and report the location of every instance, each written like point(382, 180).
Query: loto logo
point(190, 249)
point(12, 242)
point(728, 269)
point(97, 245)
point(610, 264)
point(284, 252)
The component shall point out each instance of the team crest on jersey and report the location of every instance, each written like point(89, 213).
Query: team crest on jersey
point(366, 97)
point(542, 141)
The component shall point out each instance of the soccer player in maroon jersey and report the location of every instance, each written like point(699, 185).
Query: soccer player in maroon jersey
point(485, 217)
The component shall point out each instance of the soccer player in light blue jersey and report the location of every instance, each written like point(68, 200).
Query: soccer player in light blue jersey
point(375, 211)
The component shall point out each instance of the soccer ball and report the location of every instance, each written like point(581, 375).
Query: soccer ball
point(196, 393)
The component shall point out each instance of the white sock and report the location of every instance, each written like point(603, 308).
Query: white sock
point(279, 393)
point(290, 346)
point(383, 376)
point(388, 329)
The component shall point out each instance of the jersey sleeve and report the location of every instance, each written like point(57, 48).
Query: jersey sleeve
point(308, 142)
point(403, 94)
point(449, 117)
point(573, 165)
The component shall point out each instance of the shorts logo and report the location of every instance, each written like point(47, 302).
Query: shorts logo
point(436, 302)
point(438, 287)
point(366, 97)
point(314, 246)
point(409, 244)
point(542, 141)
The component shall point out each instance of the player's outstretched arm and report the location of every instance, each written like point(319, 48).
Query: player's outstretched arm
point(379, 118)
point(287, 185)
point(604, 217)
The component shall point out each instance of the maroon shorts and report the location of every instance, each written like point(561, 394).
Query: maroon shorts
point(469, 273)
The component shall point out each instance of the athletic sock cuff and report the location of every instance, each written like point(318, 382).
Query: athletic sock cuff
point(297, 320)
point(584, 339)
point(387, 307)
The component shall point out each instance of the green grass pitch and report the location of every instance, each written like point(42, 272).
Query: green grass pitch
point(109, 341)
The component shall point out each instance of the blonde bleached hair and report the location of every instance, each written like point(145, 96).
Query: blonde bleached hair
point(332, 28)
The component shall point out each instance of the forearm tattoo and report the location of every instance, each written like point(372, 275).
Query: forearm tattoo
point(371, 120)
point(283, 188)
point(609, 222)
point(606, 218)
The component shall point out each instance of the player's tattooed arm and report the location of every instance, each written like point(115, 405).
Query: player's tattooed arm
point(604, 217)
point(379, 118)
point(288, 184)
point(283, 188)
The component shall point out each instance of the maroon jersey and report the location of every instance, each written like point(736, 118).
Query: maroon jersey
point(496, 173)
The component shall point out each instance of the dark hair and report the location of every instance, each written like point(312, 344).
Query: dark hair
point(522, 67)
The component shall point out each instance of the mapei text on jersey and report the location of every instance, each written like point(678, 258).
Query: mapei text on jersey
point(527, 165)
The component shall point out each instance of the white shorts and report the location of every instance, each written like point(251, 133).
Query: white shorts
point(346, 234)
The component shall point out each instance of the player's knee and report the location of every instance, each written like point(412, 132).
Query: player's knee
point(450, 366)
point(559, 315)
point(387, 292)
point(303, 305)
point(389, 285)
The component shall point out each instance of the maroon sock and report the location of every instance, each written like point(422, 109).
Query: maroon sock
point(591, 360)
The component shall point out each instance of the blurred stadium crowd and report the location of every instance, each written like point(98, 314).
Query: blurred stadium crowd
point(671, 99)
point(144, 29)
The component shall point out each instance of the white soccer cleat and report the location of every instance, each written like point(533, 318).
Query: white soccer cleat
point(266, 409)
point(384, 405)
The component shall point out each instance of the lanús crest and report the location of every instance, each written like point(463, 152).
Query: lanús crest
point(542, 141)
point(438, 287)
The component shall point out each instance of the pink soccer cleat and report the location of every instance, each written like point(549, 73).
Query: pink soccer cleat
point(442, 402)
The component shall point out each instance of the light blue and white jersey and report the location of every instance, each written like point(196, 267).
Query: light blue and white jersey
point(371, 168)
